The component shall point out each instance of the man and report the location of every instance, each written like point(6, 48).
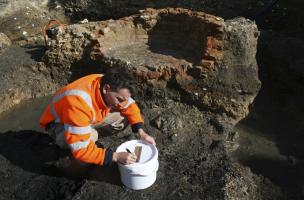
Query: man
point(85, 103)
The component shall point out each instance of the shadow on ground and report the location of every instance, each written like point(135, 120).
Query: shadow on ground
point(36, 152)
point(277, 116)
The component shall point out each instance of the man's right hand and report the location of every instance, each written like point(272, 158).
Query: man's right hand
point(124, 158)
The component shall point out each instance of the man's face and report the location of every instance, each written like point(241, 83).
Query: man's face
point(116, 98)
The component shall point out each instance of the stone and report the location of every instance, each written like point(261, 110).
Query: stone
point(4, 41)
point(168, 123)
point(231, 146)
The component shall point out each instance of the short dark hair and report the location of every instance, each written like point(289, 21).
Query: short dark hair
point(118, 78)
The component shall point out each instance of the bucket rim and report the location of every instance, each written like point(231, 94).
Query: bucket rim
point(135, 165)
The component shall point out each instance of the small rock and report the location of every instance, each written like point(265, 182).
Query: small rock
point(4, 41)
point(16, 101)
point(239, 91)
point(233, 100)
point(231, 146)
point(158, 123)
point(84, 21)
point(229, 28)
point(105, 30)
point(145, 17)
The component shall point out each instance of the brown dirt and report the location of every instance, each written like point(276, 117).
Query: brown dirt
point(192, 145)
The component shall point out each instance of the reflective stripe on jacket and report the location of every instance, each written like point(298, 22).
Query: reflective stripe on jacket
point(78, 106)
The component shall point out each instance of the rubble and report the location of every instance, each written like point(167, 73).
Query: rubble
point(189, 50)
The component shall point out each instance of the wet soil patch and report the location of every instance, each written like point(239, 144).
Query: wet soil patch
point(191, 163)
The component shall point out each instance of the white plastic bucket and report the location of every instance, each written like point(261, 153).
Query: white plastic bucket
point(142, 174)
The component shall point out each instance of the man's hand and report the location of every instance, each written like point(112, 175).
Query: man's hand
point(144, 136)
point(124, 158)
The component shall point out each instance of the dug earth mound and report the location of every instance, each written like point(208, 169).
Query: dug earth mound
point(202, 59)
point(196, 77)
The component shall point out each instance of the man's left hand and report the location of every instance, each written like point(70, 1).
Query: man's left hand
point(146, 137)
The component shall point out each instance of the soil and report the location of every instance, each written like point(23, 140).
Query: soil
point(193, 146)
point(195, 163)
point(271, 136)
point(21, 74)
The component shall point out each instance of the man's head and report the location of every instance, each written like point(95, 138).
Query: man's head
point(116, 86)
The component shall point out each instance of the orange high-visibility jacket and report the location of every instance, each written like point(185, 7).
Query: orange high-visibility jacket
point(78, 106)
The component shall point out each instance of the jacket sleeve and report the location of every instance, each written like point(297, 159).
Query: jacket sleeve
point(132, 112)
point(77, 125)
